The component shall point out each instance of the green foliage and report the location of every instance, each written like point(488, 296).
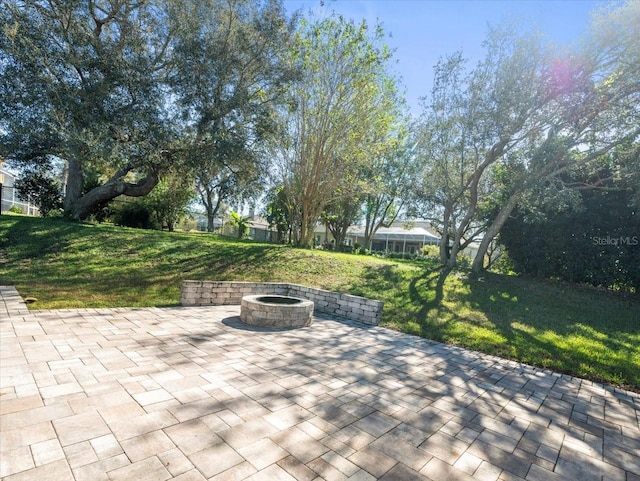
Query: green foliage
point(558, 326)
point(342, 111)
point(15, 210)
point(240, 222)
point(165, 206)
point(389, 178)
point(471, 121)
point(136, 213)
point(597, 242)
point(277, 212)
point(340, 214)
point(169, 200)
point(82, 82)
point(430, 251)
point(504, 265)
point(40, 189)
point(229, 76)
point(125, 89)
point(525, 115)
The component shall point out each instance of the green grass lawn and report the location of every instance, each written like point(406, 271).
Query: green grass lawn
point(571, 329)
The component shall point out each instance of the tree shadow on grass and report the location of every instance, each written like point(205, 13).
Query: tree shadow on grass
point(412, 297)
point(529, 321)
point(563, 328)
point(102, 266)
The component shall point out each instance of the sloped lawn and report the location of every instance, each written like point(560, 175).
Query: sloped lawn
point(566, 328)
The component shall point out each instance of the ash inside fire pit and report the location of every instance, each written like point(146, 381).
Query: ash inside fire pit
point(279, 300)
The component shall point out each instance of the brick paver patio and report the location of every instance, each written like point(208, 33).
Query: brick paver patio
point(193, 394)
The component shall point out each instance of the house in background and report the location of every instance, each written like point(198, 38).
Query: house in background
point(260, 230)
point(201, 222)
point(397, 238)
point(9, 196)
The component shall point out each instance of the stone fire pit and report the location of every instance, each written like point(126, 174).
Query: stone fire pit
point(276, 311)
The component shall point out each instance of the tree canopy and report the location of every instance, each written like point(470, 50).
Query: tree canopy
point(83, 82)
point(341, 111)
point(229, 75)
point(525, 115)
point(121, 91)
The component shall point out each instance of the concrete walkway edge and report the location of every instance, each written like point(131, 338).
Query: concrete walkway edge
point(11, 304)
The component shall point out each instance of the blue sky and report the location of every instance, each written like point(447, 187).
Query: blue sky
point(421, 31)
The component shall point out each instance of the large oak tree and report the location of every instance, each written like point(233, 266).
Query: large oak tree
point(82, 81)
point(595, 109)
point(229, 75)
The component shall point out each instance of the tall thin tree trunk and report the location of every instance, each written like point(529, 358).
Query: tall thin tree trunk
point(444, 240)
point(494, 230)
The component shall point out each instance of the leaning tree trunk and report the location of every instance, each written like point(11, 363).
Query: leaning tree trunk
point(471, 211)
point(493, 231)
point(82, 207)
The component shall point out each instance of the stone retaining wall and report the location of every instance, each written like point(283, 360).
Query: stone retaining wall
point(214, 293)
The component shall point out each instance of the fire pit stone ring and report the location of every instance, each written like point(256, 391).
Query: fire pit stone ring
point(268, 310)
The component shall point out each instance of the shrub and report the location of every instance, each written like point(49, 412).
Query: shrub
point(503, 265)
point(135, 214)
point(38, 187)
point(16, 210)
point(430, 251)
point(464, 261)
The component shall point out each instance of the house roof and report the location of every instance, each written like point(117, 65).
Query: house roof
point(397, 233)
point(259, 223)
point(394, 233)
